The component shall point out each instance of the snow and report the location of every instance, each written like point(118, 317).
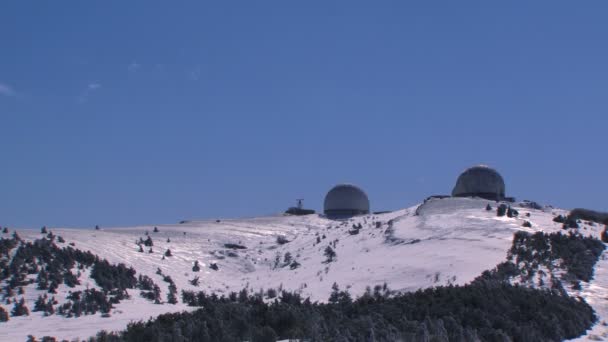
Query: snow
point(449, 241)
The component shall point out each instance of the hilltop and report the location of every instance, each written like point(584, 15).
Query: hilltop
point(441, 242)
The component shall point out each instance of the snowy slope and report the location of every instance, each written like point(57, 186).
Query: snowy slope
point(443, 241)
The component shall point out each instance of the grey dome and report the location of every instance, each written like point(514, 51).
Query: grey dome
point(345, 200)
point(480, 181)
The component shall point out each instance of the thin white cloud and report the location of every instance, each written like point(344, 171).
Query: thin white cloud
point(195, 73)
point(90, 88)
point(7, 90)
point(133, 67)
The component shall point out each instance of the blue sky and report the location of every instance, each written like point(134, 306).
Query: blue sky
point(144, 112)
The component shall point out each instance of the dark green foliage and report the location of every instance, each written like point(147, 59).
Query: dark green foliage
point(5, 230)
point(87, 302)
point(481, 311)
point(109, 276)
point(589, 215)
point(559, 219)
point(196, 267)
point(3, 315)
point(44, 304)
point(168, 253)
point(604, 236)
point(576, 254)
point(150, 290)
point(488, 207)
point(527, 224)
point(19, 308)
point(53, 266)
point(281, 240)
point(96, 227)
point(501, 210)
point(214, 266)
point(234, 246)
point(339, 297)
point(512, 212)
point(265, 334)
point(70, 279)
point(149, 242)
point(145, 283)
point(330, 254)
point(355, 229)
point(172, 295)
point(195, 281)
point(155, 230)
point(571, 222)
point(271, 293)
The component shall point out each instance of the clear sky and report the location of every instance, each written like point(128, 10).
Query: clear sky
point(143, 112)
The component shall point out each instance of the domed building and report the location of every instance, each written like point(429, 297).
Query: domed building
point(345, 200)
point(480, 181)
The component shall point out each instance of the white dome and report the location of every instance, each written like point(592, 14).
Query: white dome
point(480, 181)
point(345, 200)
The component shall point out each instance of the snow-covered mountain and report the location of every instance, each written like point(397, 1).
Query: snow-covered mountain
point(439, 242)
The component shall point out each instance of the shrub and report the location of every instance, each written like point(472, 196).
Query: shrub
point(501, 210)
point(19, 308)
point(589, 215)
point(3, 315)
point(559, 219)
point(330, 254)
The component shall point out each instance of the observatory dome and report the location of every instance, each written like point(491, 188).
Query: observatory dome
point(480, 181)
point(345, 200)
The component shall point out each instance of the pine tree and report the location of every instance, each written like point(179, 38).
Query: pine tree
point(329, 254)
point(155, 230)
point(335, 291)
point(19, 309)
point(171, 297)
point(3, 315)
point(196, 267)
point(156, 292)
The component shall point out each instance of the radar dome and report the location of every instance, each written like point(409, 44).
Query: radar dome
point(345, 200)
point(480, 181)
